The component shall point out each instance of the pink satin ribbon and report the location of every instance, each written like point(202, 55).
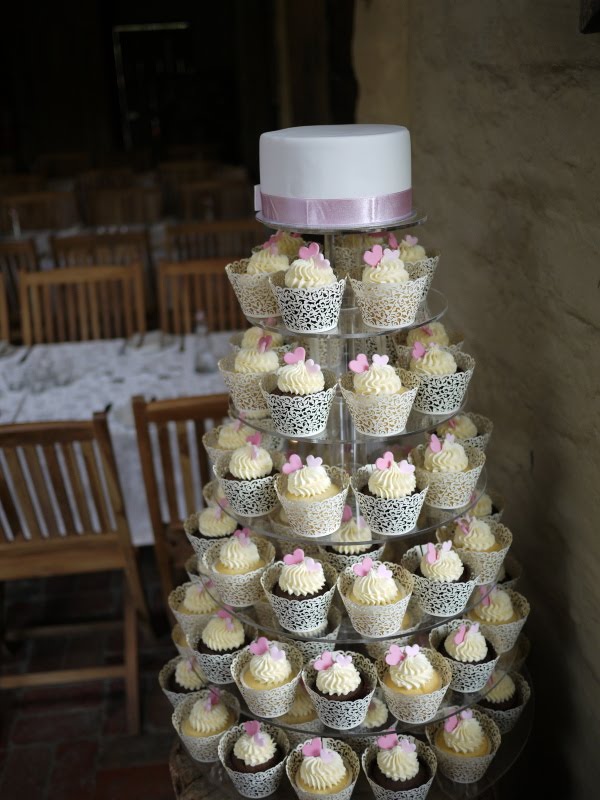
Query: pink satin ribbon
point(362, 211)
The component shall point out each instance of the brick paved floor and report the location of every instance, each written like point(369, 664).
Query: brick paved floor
point(70, 742)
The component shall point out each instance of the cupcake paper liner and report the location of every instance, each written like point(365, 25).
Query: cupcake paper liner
point(376, 621)
point(175, 698)
point(217, 666)
point(380, 415)
point(484, 565)
point(239, 590)
point(340, 561)
point(387, 306)
point(252, 498)
point(465, 677)
point(438, 598)
point(184, 650)
point(506, 634)
point(269, 703)
point(244, 388)
point(342, 714)
point(506, 720)
point(349, 757)
point(448, 489)
point(209, 493)
point(513, 570)
point(299, 415)
point(466, 769)
point(209, 441)
point(484, 427)
point(308, 310)
point(311, 649)
point(389, 517)
point(191, 567)
point(425, 754)
point(428, 264)
point(252, 291)
point(416, 709)
point(314, 518)
point(190, 624)
point(297, 614)
point(202, 748)
point(257, 784)
point(441, 394)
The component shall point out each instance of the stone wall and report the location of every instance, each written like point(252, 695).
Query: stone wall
point(503, 102)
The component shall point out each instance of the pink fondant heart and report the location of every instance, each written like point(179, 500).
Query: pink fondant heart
point(392, 241)
point(359, 364)
point(313, 461)
point(406, 745)
point(395, 655)
point(264, 343)
point(346, 514)
point(312, 367)
point(406, 467)
point(451, 723)
point(373, 257)
point(297, 557)
point(380, 361)
point(324, 661)
point(259, 647)
point(434, 444)
point(310, 251)
point(411, 241)
point(295, 356)
point(418, 350)
point(293, 464)
point(312, 748)
point(386, 461)
point(387, 742)
point(363, 567)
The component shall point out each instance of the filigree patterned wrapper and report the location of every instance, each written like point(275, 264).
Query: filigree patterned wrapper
point(214, 452)
point(312, 649)
point(506, 720)
point(175, 698)
point(389, 517)
point(252, 291)
point(429, 264)
point(460, 768)
point(202, 748)
point(348, 756)
point(418, 708)
point(199, 545)
point(191, 567)
point(391, 305)
point(235, 342)
point(189, 623)
point(257, 784)
point(343, 714)
point(441, 394)
point(513, 570)
point(438, 598)
point(506, 634)
point(339, 561)
point(376, 621)
point(308, 310)
point(269, 703)
point(299, 415)
point(484, 565)
point(448, 489)
point(315, 518)
point(484, 427)
point(217, 666)
point(424, 752)
point(298, 614)
point(209, 493)
point(380, 415)
point(244, 388)
point(466, 677)
point(181, 644)
point(239, 590)
point(252, 498)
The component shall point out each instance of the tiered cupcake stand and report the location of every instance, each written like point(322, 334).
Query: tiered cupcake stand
point(342, 446)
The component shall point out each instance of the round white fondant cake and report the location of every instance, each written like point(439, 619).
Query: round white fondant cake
point(335, 176)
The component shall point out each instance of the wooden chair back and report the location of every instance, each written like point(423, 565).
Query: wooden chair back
point(173, 174)
point(78, 303)
point(216, 199)
point(39, 210)
point(4, 315)
point(100, 248)
point(175, 467)
point(16, 256)
point(20, 184)
point(186, 287)
point(232, 238)
point(106, 178)
point(133, 205)
point(63, 165)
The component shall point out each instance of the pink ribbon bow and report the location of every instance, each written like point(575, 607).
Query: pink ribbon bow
point(264, 343)
point(293, 464)
point(386, 461)
point(299, 354)
point(418, 350)
point(359, 364)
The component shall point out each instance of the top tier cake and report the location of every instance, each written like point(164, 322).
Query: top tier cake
point(334, 176)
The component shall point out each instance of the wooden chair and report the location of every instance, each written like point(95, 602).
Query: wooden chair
point(16, 256)
point(100, 248)
point(78, 303)
point(39, 210)
point(63, 514)
point(63, 165)
point(233, 238)
point(107, 178)
point(216, 199)
point(134, 205)
point(185, 287)
point(4, 316)
point(173, 174)
point(21, 183)
point(169, 436)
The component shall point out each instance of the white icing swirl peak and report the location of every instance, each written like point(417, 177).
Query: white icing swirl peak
point(223, 632)
point(233, 435)
point(409, 666)
point(336, 674)
point(449, 456)
point(432, 361)
point(197, 600)
point(503, 688)
point(301, 576)
point(441, 563)
point(397, 757)
point(209, 715)
point(253, 335)
point(377, 713)
point(255, 746)
point(463, 733)
point(411, 250)
point(377, 379)
point(320, 768)
point(267, 260)
point(475, 534)
point(257, 359)
point(352, 530)
point(496, 607)
point(483, 507)
point(240, 552)
point(251, 461)
point(300, 376)
point(461, 426)
point(390, 479)
point(213, 522)
point(432, 333)
point(269, 663)
point(310, 270)
point(189, 675)
point(374, 584)
point(306, 481)
point(384, 266)
point(466, 644)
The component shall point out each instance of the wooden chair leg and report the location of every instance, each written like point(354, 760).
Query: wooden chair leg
point(132, 686)
point(165, 573)
point(136, 589)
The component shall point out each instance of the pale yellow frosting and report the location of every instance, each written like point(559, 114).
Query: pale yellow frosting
point(253, 335)
point(483, 507)
point(479, 538)
point(197, 600)
point(223, 634)
point(387, 271)
point(320, 775)
point(214, 523)
point(392, 482)
point(338, 679)
point(379, 379)
point(297, 580)
point(236, 556)
point(373, 590)
point(250, 462)
point(411, 252)
point(467, 737)
point(208, 721)
point(413, 672)
point(377, 714)
point(266, 262)
point(499, 610)
point(233, 435)
point(189, 675)
point(447, 568)
point(248, 750)
point(302, 706)
point(503, 689)
point(451, 458)
point(349, 532)
point(462, 427)
point(267, 670)
point(305, 274)
point(288, 244)
point(473, 648)
point(397, 764)
point(432, 333)
point(308, 481)
point(250, 360)
point(435, 361)
point(296, 379)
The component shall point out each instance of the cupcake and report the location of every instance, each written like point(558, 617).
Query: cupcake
point(379, 396)
point(201, 720)
point(300, 590)
point(376, 596)
point(444, 376)
point(207, 525)
point(192, 604)
point(449, 471)
point(225, 438)
point(481, 544)
point(414, 681)
point(387, 495)
point(267, 675)
point(388, 295)
point(220, 640)
point(471, 657)
point(399, 767)
point(312, 495)
point(323, 767)
point(354, 540)
point(252, 336)
point(179, 677)
point(502, 615)
point(341, 685)
point(505, 698)
point(267, 260)
point(302, 712)
point(236, 565)
point(489, 504)
point(287, 243)
point(247, 476)
point(465, 745)
point(308, 295)
point(470, 429)
point(378, 715)
point(432, 333)
point(299, 395)
point(253, 755)
point(249, 278)
point(242, 372)
point(442, 583)
point(180, 641)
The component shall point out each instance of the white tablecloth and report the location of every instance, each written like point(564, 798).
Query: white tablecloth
point(102, 374)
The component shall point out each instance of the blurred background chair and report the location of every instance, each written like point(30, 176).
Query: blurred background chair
point(216, 199)
point(234, 238)
point(20, 184)
point(133, 205)
point(16, 256)
point(92, 249)
point(4, 318)
point(172, 175)
point(63, 165)
point(38, 210)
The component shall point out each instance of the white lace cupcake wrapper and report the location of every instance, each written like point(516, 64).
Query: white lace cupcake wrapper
point(506, 720)
point(484, 427)
point(252, 291)
point(190, 624)
point(239, 590)
point(308, 310)
point(342, 714)
point(380, 415)
point(200, 546)
point(389, 517)
point(466, 769)
point(269, 703)
point(247, 498)
point(340, 561)
point(385, 306)
point(505, 635)
point(244, 388)
point(202, 748)
point(416, 709)
point(184, 650)
point(311, 649)
point(299, 615)
point(465, 677)
point(484, 565)
point(448, 489)
point(175, 698)
point(441, 394)
point(348, 756)
point(258, 784)
point(514, 570)
point(216, 667)
point(299, 415)
point(376, 621)
point(425, 753)
point(438, 598)
point(319, 518)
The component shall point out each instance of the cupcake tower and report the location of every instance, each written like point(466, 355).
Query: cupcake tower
point(351, 607)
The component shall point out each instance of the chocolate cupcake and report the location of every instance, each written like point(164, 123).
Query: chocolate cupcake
point(186, 678)
point(501, 693)
point(341, 686)
point(467, 645)
point(222, 638)
point(255, 750)
point(397, 766)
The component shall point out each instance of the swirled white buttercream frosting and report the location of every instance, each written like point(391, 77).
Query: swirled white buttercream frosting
point(392, 482)
point(432, 333)
point(474, 534)
point(353, 531)
point(503, 690)
point(223, 634)
point(302, 707)
point(214, 523)
point(373, 589)
point(411, 251)
point(496, 608)
point(267, 261)
point(288, 243)
point(387, 271)
point(268, 670)
point(398, 765)
point(379, 379)
point(240, 554)
point(299, 379)
point(309, 481)
point(469, 649)
point(253, 335)
point(320, 775)
point(302, 579)
point(435, 361)
point(252, 360)
point(189, 675)
point(209, 719)
point(451, 458)
point(338, 679)
point(461, 426)
point(198, 600)
point(412, 672)
point(250, 462)
point(446, 568)
point(467, 736)
point(255, 750)
point(233, 435)
point(377, 714)
point(308, 274)
point(483, 507)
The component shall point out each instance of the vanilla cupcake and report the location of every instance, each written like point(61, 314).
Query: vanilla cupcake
point(432, 333)
point(341, 685)
point(480, 543)
point(253, 755)
point(462, 735)
point(267, 675)
point(242, 372)
point(449, 471)
point(444, 376)
point(258, 359)
point(269, 667)
point(414, 681)
point(323, 767)
point(247, 477)
point(470, 655)
point(502, 615)
point(398, 767)
point(310, 271)
point(239, 554)
point(350, 531)
point(375, 585)
point(308, 483)
point(267, 260)
point(384, 266)
point(210, 524)
point(410, 250)
point(192, 603)
point(442, 583)
point(470, 533)
point(220, 640)
point(465, 745)
point(233, 435)
point(236, 566)
point(432, 360)
point(446, 456)
point(202, 718)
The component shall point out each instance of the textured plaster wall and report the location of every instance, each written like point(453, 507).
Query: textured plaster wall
point(503, 102)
